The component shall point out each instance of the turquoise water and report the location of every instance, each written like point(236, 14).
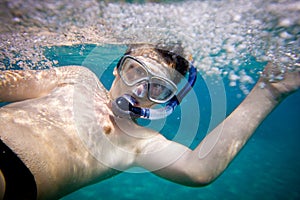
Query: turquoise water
point(267, 168)
point(224, 37)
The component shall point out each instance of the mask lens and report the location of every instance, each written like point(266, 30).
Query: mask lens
point(160, 90)
point(132, 71)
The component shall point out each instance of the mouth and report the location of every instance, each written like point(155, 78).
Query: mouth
point(131, 99)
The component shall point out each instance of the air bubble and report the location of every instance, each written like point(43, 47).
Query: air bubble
point(222, 36)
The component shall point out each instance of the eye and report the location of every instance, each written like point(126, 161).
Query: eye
point(140, 72)
point(157, 86)
point(131, 66)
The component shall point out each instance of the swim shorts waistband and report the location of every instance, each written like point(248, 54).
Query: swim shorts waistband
point(20, 183)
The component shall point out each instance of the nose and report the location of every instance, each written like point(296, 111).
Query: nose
point(141, 90)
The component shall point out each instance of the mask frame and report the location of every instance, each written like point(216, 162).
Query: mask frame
point(124, 106)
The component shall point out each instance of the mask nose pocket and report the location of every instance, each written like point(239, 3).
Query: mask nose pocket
point(141, 90)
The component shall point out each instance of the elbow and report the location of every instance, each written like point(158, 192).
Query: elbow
point(190, 179)
point(201, 181)
point(200, 178)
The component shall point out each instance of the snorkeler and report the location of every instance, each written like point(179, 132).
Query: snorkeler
point(55, 113)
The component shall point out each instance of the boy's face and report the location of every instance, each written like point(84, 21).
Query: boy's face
point(140, 89)
point(119, 88)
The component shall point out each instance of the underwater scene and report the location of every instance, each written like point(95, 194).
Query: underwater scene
point(266, 168)
point(230, 42)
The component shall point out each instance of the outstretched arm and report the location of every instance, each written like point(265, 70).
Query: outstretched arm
point(201, 166)
point(17, 85)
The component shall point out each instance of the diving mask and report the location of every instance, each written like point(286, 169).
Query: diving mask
point(134, 72)
point(160, 90)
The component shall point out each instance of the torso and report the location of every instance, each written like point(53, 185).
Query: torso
point(68, 134)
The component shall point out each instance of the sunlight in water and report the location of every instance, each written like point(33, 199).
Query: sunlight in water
point(220, 35)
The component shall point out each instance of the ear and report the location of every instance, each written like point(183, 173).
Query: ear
point(115, 72)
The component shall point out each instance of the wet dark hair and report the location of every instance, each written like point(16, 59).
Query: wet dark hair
point(171, 54)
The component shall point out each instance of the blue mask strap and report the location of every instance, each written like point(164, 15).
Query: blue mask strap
point(188, 86)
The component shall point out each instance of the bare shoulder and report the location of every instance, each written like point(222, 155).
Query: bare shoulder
point(83, 81)
point(74, 72)
point(73, 69)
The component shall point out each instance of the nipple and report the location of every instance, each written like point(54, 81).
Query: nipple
point(107, 129)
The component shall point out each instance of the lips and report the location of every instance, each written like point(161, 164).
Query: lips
point(131, 99)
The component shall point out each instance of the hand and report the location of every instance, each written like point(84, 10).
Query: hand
point(280, 82)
